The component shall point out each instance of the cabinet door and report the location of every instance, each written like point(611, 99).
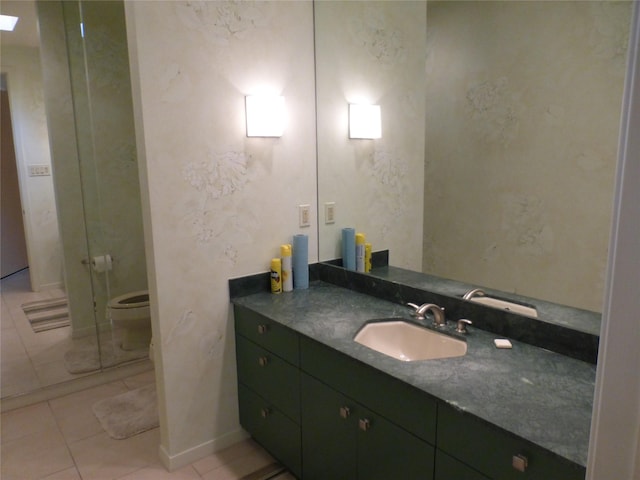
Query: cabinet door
point(397, 401)
point(448, 468)
point(341, 439)
point(386, 451)
point(267, 333)
point(496, 453)
point(329, 432)
point(270, 428)
point(270, 376)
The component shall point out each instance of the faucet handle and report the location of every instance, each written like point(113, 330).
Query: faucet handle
point(416, 311)
point(462, 325)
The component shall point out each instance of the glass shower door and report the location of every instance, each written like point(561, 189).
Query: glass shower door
point(105, 137)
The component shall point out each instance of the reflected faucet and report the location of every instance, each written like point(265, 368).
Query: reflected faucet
point(476, 292)
point(439, 319)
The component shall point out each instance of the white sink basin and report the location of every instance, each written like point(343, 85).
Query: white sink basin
point(505, 305)
point(408, 342)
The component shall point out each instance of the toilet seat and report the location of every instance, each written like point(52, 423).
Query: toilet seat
point(130, 300)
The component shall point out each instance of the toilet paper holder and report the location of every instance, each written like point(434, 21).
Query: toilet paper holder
point(99, 263)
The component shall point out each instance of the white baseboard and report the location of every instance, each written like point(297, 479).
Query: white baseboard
point(51, 286)
point(187, 457)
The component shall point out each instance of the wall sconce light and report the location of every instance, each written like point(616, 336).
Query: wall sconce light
point(265, 115)
point(8, 23)
point(365, 121)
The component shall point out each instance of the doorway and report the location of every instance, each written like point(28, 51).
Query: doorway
point(13, 244)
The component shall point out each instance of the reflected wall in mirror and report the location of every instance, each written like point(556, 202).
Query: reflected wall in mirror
point(371, 53)
point(523, 103)
point(70, 91)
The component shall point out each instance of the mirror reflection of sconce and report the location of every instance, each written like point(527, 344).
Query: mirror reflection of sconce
point(365, 121)
point(265, 115)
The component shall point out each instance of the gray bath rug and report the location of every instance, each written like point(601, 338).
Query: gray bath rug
point(129, 413)
point(46, 315)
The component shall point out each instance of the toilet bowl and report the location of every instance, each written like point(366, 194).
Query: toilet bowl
point(130, 312)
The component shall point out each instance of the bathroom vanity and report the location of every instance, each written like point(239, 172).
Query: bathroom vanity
point(330, 408)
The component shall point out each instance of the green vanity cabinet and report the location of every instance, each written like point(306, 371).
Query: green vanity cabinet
point(343, 440)
point(269, 386)
point(267, 333)
point(269, 375)
point(329, 432)
point(327, 416)
point(497, 454)
point(448, 468)
point(270, 428)
point(400, 403)
point(352, 419)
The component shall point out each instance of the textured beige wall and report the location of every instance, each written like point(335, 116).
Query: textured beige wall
point(372, 52)
point(218, 204)
point(24, 78)
point(523, 110)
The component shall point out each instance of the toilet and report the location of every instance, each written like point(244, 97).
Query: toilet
point(130, 312)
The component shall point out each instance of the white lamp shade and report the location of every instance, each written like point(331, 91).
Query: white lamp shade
point(265, 116)
point(365, 121)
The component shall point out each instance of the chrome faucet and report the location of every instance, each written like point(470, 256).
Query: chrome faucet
point(476, 292)
point(439, 319)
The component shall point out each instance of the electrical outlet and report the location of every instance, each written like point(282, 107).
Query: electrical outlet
point(304, 215)
point(330, 212)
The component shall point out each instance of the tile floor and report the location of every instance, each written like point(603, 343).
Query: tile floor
point(29, 360)
point(61, 439)
point(32, 361)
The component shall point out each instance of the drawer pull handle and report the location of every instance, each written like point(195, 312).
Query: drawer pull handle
point(364, 424)
point(265, 412)
point(519, 462)
point(345, 412)
point(262, 329)
point(263, 361)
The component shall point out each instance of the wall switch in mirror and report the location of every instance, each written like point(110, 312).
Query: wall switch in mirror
point(329, 212)
point(304, 215)
point(39, 170)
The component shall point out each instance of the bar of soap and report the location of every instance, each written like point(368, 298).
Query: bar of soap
point(502, 343)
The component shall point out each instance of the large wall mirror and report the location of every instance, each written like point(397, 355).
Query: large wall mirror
point(500, 125)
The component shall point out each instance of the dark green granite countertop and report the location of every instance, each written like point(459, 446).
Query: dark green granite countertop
point(536, 394)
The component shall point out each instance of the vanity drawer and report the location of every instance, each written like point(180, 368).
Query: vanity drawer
point(277, 433)
point(397, 401)
point(268, 374)
point(448, 468)
point(493, 452)
point(267, 333)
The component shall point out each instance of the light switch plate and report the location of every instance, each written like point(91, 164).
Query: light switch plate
point(39, 170)
point(304, 215)
point(330, 212)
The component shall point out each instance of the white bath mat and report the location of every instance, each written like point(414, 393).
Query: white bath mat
point(129, 413)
